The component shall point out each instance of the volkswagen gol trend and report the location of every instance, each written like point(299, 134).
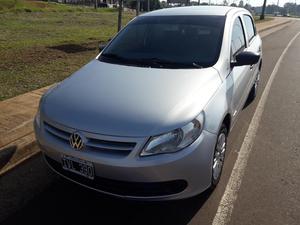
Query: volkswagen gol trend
point(148, 118)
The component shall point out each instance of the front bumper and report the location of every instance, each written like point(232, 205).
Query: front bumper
point(160, 177)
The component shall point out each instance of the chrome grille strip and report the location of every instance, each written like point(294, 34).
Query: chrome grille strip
point(57, 132)
point(92, 142)
point(111, 145)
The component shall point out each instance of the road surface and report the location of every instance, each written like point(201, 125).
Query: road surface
point(270, 182)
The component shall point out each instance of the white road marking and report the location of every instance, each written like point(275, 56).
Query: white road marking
point(226, 205)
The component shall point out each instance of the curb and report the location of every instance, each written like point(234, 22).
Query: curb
point(17, 152)
point(18, 143)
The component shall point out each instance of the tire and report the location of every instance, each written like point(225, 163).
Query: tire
point(219, 156)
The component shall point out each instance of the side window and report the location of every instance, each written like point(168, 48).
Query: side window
point(238, 38)
point(249, 27)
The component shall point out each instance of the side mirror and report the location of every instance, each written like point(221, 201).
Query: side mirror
point(246, 58)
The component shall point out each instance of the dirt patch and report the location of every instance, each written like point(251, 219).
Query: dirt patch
point(72, 48)
point(18, 60)
point(36, 67)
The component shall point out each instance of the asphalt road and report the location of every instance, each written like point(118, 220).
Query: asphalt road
point(269, 192)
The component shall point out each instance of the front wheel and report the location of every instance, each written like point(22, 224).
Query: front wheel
point(219, 156)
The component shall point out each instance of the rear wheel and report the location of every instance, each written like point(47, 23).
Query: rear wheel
point(219, 156)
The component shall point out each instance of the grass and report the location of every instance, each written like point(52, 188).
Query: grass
point(48, 43)
point(43, 6)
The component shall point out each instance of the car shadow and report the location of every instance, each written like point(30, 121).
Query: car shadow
point(248, 102)
point(67, 203)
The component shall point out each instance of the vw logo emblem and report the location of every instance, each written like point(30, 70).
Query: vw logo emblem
point(76, 141)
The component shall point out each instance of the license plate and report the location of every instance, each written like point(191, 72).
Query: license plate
point(78, 166)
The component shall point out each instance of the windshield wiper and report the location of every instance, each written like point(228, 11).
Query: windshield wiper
point(112, 56)
point(197, 65)
point(152, 61)
point(168, 63)
point(155, 62)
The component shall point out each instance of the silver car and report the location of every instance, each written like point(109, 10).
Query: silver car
point(148, 118)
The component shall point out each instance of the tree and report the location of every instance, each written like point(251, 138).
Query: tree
point(120, 14)
point(241, 4)
point(292, 8)
point(164, 4)
point(233, 4)
point(225, 2)
point(138, 7)
point(262, 16)
point(153, 4)
point(248, 6)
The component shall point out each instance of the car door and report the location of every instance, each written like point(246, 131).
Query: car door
point(239, 74)
point(254, 44)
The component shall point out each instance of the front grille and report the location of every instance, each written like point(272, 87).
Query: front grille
point(123, 188)
point(92, 143)
point(63, 135)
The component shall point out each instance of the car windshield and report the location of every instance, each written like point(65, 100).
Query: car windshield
point(168, 42)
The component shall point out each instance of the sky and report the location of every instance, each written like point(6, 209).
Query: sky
point(255, 2)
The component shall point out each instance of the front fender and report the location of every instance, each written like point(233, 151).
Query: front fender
point(219, 106)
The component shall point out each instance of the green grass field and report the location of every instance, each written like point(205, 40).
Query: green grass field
point(43, 43)
point(43, 6)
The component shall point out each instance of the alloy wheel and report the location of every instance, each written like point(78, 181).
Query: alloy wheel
point(219, 156)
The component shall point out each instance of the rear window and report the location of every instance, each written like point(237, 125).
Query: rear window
point(168, 42)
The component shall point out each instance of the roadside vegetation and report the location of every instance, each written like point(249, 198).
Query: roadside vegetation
point(42, 43)
point(43, 6)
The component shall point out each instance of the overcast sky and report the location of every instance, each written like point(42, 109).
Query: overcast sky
point(254, 2)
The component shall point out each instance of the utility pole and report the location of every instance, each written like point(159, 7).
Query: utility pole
point(96, 4)
point(137, 7)
point(262, 16)
point(120, 15)
point(198, 2)
point(148, 5)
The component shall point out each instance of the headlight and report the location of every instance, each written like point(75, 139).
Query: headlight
point(176, 139)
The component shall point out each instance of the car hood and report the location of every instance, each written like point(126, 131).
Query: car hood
point(122, 100)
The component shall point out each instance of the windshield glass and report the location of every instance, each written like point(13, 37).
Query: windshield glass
point(168, 42)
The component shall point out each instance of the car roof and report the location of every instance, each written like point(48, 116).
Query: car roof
point(193, 10)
